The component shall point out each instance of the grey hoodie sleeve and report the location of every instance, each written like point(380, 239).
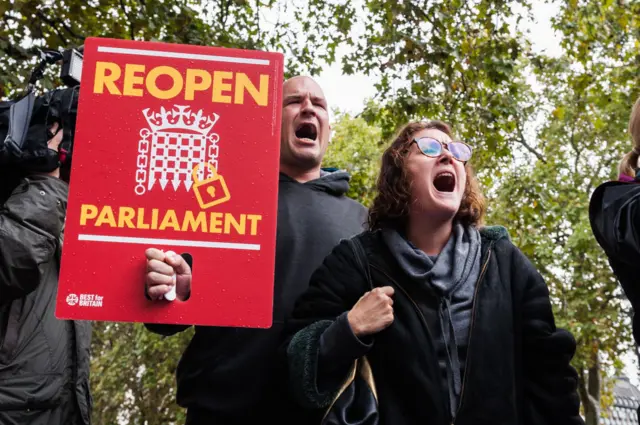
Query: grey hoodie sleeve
point(31, 221)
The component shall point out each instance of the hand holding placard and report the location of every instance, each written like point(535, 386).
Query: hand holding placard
point(167, 272)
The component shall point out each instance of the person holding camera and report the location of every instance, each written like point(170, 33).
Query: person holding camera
point(44, 362)
point(614, 215)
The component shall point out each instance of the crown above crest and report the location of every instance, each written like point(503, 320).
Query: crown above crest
point(180, 118)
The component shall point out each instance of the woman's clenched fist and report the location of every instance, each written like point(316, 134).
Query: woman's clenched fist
point(373, 312)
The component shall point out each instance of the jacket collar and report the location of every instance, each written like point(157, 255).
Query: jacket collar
point(494, 233)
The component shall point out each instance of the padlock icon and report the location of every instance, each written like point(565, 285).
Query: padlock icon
point(212, 191)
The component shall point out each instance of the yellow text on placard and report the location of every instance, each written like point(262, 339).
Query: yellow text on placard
point(156, 219)
point(139, 80)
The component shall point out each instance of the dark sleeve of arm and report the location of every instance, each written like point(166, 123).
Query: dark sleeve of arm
point(166, 330)
point(310, 350)
point(551, 383)
point(614, 215)
point(627, 222)
point(339, 348)
point(31, 222)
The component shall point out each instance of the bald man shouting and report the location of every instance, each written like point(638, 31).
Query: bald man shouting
point(234, 376)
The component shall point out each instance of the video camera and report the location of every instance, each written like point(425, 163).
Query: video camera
point(25, 121)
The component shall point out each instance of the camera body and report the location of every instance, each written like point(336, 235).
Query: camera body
point(24, 129)
point(25, 121)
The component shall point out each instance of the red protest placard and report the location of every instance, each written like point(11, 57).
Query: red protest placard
point(177, 148)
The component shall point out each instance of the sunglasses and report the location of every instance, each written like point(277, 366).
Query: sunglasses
point(434, 148)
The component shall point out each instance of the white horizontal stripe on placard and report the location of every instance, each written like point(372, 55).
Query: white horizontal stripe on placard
point(176, 242)
point(194, 56)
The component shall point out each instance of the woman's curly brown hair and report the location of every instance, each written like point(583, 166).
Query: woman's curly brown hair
point(390, 208)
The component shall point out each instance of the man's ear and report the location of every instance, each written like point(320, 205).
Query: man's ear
point(331, 134)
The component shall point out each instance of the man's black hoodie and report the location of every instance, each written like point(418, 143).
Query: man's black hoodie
point(233, 376)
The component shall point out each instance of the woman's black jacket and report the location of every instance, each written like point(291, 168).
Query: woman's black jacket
point(517, 367)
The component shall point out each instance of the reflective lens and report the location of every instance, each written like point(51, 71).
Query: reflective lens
point(460, 151)
point(432, 147)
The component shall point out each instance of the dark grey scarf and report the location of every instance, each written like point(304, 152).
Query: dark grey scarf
point(453, 276)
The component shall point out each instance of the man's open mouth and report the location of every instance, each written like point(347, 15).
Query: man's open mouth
point(445, 182)
point(307, 131)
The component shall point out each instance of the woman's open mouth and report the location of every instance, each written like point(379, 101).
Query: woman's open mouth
point(445, 182)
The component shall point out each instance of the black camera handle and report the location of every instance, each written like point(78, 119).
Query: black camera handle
point(47, 57)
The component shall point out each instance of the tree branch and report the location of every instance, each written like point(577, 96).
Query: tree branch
point(427, 17)
point(131, 29)
point(224, 13)
point(589, 403)
point(70, 31)
point(15, 51)
point(594, 391)
point(596, 176)
point(573, 144)
point(593, 178)
point(53, 25)
point(520, 139)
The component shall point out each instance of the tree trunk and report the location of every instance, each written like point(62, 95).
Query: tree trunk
point(589, 387)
